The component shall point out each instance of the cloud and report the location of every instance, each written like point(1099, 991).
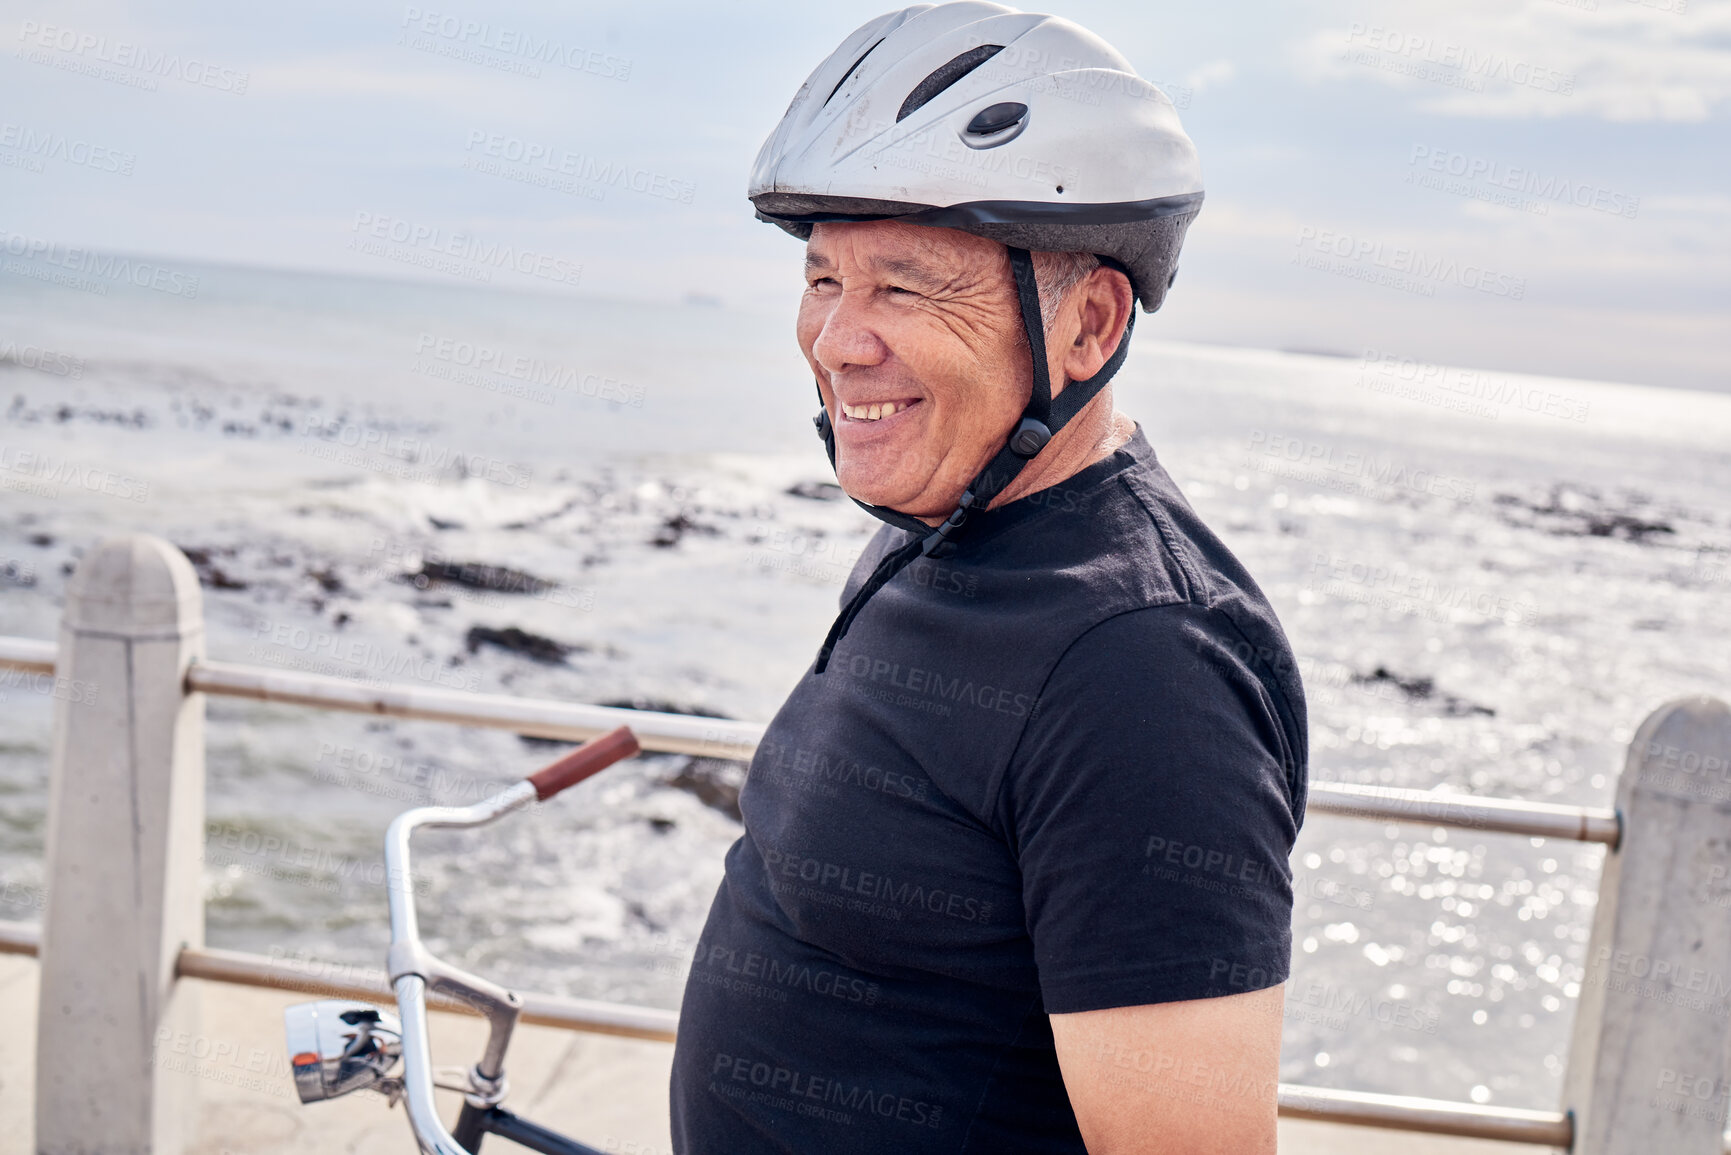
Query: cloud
point(1215, 72)
point(1615, 60)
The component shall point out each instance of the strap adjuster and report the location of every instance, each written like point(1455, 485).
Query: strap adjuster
point(1030, 437)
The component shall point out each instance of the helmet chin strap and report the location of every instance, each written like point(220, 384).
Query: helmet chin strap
point(1042, 418)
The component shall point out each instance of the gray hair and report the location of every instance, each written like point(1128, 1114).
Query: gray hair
point(1057, 274)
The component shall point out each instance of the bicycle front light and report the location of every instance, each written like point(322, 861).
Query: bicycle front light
point(336, 1046)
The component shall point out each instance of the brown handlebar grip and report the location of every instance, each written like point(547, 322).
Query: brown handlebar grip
point(592, 757)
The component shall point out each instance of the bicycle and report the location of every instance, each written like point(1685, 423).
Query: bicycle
point(338, 1046)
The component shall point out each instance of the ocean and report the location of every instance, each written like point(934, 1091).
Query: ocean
point(1489, 580)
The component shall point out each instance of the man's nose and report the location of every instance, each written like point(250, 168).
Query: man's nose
point(847, 339)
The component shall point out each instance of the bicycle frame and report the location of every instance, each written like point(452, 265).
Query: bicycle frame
point(498, 1121)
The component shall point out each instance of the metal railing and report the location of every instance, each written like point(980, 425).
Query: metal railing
point(724, 738)
point(1399, 1112)
point(1590, 1059)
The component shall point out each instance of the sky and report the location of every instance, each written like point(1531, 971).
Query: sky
point(1564, 163)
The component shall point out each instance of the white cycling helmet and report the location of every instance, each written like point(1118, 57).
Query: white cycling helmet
point(1015, 126)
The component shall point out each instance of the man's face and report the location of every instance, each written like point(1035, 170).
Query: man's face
point(921, 324)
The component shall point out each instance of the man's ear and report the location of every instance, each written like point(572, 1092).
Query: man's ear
point(1103, 302)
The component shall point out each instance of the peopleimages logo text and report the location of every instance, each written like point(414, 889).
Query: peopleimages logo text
point(508, 41)
point(42, 145)
point(124, 54)
point(1528, 181)
point(36, 472)
point(410, 235)
point(579, 166)
point(1465, 61)
point(1410, 262)
point(100, 266)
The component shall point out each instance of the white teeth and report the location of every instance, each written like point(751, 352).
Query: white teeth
point(872, 412)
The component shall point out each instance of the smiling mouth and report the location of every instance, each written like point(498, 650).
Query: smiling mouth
point(877, 411)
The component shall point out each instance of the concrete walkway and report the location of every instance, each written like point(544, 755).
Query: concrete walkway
point(608, 1092)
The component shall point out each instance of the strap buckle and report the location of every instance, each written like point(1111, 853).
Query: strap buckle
point(939, 538)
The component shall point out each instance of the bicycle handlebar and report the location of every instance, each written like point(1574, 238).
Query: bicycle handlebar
point(590, 758)
point(413, 969)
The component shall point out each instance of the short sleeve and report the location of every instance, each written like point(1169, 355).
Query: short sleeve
point(1151, 806)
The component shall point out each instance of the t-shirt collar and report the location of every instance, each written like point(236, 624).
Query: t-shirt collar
point(1028, 507)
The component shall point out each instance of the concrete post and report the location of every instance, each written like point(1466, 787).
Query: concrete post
point(1649, 1067)
point(124, 860)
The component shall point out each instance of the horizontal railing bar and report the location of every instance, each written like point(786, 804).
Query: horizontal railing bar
point(239, 968)
point(536, 717)
point(1390, 1112)
point(591, 1015)
point(724, 738)
point(20, 938)
point(1537, 819)
point(28, 654)
point(717, 737)
point(1432, 1116)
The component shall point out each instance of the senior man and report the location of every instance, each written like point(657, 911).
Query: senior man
point(1014, 870)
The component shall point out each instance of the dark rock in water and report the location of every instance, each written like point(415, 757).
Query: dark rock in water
point(816, 490)
point(677, 527)
point(1578, 511)
point(216, 579)
point(519, 641)
point(641, 914)
point(41, 540)
point(476, 576)
point(440, 523)
point(62, 413)
point(543, 518)
point(714, 782)
point(209, 573)
point(327, 579)
point(535, 742)
point(1420, 690)
point(1622, 525)
point(662, 825)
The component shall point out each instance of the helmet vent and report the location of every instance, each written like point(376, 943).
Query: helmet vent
point(851, 69)
point(945, 75)
point(999, 124)
point(997, 118)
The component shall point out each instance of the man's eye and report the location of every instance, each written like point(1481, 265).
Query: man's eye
point(816, 281)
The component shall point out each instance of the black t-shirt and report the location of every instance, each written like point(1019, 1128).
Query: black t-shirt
point(1061, 770)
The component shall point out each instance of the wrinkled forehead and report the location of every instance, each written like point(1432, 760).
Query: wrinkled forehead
point(898, 247)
